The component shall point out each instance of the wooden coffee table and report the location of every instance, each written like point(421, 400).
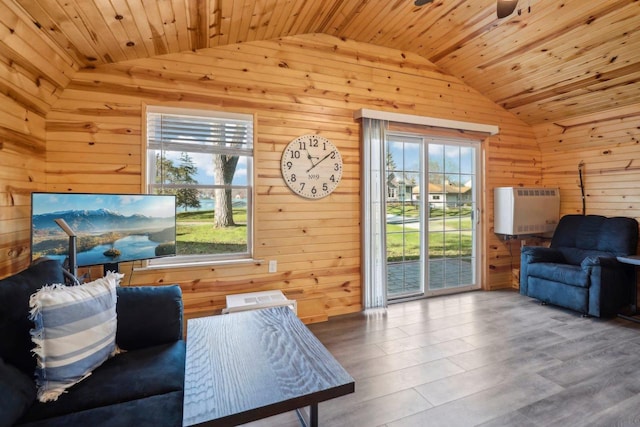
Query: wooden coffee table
point(245, 366)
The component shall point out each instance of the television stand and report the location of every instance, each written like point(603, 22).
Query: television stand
point(112, 266)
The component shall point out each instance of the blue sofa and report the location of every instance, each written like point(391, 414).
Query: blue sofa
point(579, 270)
point(142, 386)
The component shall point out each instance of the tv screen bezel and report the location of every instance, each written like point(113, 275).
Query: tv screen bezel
point(92, 208)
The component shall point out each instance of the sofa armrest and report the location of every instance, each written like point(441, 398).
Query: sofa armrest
point(532, 254)
point(148, 316)
point(17, 393)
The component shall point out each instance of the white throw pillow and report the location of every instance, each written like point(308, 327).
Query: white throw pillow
point(75, 332)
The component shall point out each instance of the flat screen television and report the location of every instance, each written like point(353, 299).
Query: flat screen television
point(110, 228)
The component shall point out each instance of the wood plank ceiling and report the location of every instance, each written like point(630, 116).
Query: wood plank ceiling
point(561, 59)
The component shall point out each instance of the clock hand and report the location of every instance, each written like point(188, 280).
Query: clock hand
point(310, 157)
point(320, 161)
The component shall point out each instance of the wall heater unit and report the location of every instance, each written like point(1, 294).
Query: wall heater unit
point(519, 210)
point(257, 300)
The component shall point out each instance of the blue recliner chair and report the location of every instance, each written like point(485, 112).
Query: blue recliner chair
point(579, 270)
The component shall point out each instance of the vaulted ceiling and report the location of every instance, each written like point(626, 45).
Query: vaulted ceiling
point(555, 59)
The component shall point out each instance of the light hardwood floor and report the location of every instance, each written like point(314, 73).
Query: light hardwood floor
point(481, 358)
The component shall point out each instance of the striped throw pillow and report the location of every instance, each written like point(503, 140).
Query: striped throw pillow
point(75, 330)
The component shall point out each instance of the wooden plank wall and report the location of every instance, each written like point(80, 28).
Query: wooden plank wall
point(22, 164)
point(33, 72)
point(607, 144)
point(295, 85)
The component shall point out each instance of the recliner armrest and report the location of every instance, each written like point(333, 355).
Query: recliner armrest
point(602, 261)
point(148, 316)
point(534, 254)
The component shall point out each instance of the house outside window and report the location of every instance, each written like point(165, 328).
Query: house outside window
point(392, 193)
point(205, 159)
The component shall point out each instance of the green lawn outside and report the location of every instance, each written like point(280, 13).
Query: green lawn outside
point(409, 210)
point(196, 234)
point(450, 235)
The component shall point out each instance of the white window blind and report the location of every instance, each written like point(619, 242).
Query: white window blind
point(176, 132)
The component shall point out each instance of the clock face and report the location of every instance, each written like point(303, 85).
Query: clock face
point(311, 166)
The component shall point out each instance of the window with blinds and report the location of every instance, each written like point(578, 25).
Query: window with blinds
point(205, 159)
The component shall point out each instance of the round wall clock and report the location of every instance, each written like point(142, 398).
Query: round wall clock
point(311, 166)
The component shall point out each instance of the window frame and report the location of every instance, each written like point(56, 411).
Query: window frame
point(148, 153)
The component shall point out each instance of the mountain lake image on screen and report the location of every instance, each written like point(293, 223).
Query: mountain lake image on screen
point(110, 228)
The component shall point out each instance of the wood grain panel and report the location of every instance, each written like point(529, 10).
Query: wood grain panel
point(553, 59)
point(22, 160)
point(22, 163)
point(316, 81)
point(608, 149)
point(295, 85)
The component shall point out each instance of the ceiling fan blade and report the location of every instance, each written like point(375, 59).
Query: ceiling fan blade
point(506, 7)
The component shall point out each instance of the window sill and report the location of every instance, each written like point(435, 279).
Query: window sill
point(198, 264)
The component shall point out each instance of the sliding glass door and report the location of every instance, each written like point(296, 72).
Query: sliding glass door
point(405, 215)
point(453, 206)
point(431, 204)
